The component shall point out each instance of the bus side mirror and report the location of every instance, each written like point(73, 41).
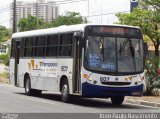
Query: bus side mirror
point(77, 34)
point(146, 52)
point(79, 37)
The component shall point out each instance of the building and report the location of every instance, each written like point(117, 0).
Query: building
point(133, 4)
point(41, 8)
point(4, 47)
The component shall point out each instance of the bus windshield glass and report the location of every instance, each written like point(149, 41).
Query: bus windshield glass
point(114, 53)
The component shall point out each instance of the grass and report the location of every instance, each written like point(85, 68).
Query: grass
point(4, 78)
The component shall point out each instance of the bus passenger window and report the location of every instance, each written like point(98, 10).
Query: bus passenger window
point(65, 46)
point(40, 46)
point(28, 46)
point(52, 45)
point(51, 51)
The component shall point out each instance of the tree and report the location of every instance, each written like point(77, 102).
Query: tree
point(151, 76)
point(4, 34)
point(148, 19)
point(31, 23)
point(68, 19)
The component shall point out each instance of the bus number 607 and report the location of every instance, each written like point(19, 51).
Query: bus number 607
point(104, 79)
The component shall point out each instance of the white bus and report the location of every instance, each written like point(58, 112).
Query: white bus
point(85, 60)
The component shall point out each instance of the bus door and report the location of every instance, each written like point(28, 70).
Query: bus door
point(76, 66)
point(17, 56)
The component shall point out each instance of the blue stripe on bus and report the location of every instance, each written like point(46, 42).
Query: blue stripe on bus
point(91, 90)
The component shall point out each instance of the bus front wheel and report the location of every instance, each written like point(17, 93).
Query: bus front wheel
point(65, 92)
point(117, 100)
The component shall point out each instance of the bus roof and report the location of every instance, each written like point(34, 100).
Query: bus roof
point(61, 29)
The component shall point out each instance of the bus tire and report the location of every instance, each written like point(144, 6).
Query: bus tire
point(27, 86)
point(65, 92)
point(28, 90)
point(117, 100)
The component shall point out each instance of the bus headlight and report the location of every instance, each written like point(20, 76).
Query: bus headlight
point(85, 76)
point(138, 82)
point(90, 79)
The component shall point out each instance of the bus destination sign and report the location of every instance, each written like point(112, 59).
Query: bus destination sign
point(112, 30)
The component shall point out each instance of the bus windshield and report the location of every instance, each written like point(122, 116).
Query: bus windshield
point(114, 54)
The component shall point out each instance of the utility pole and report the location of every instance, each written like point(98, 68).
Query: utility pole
point(14, 17)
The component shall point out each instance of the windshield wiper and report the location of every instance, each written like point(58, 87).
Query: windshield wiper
point(101, 46)
point(132, 54)
point(123, 46)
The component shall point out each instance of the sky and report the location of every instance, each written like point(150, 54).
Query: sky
point(100, 11)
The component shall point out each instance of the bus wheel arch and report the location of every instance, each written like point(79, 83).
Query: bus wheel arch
point(64, 88)
point(28, 89)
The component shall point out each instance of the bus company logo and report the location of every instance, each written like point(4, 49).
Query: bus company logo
point(34, 66)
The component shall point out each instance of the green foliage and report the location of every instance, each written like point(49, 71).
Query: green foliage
point(5, 59)
point(69, 18)
point(4, 34)
point(152, 78)
point(148, 19)
point(31, 23)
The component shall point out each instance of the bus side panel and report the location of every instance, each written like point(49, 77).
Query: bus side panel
point(35, 71)
point(11, 71)
point(50, 74)
point(23, 69)
point(65, 66)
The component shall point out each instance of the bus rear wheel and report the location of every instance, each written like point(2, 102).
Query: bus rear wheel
point(28, 90)
point(65, 92)
point(27, 86)
point(117, 100)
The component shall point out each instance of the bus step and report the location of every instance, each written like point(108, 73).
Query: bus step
point(78, 94)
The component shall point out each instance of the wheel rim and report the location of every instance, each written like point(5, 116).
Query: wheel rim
point(65, 93)
point(27, 86)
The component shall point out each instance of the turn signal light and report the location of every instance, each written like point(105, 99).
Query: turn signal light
point(142, 78)
point(85, 76)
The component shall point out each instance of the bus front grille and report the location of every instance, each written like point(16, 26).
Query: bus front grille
point(116, 83)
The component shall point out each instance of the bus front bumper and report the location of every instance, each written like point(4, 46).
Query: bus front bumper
point(91, 90)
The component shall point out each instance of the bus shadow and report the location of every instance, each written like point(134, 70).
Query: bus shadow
point(86, 102)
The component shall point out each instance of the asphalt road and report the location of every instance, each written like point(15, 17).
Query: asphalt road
point(13, 100)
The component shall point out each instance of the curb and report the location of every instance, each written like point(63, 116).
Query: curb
point(142, 102)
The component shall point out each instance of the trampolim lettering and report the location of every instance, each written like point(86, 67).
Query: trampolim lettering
point(34, 66)
point(48, 64)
